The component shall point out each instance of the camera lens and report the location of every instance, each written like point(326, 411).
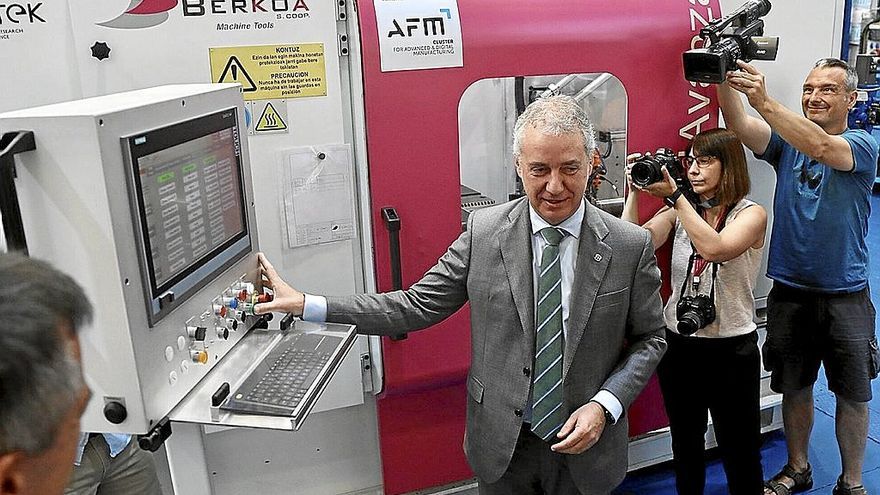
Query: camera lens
point(694, 313)
point(646, 171)
point(711, 64)
point(689, 323)
point(728, 51)
point(649, 169)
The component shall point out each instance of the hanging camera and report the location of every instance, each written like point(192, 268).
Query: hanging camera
point(695, 311)
point(736, 36)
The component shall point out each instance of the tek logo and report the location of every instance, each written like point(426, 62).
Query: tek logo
point(431, 26)
point(17, 13)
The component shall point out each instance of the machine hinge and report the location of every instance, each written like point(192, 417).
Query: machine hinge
point(343, 44)
point(367, 372)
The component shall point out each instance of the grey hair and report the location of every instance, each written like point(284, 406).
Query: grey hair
point(555, 116)
point(40, 377)
point(851, 80)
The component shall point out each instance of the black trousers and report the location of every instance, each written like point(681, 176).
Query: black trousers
point(721, 376)
point(534, 470)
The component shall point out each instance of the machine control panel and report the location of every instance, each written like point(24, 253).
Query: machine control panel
point(171, 163)
point(228, 311)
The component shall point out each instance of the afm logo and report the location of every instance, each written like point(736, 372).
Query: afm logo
point(199, 7)
point(436, 24)
point(16, 13)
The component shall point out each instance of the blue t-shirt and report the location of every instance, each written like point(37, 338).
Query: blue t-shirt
point(821, 217)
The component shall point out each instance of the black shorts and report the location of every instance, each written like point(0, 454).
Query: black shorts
point(806, 329)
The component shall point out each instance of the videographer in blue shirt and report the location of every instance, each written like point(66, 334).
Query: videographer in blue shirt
point(819, 309)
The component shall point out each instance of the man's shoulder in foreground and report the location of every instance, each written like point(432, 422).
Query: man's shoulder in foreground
point(617, 228)
point(495, 213)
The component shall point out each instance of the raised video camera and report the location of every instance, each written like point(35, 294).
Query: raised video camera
point(649, 169)
point(694, 313)
point(736, 36)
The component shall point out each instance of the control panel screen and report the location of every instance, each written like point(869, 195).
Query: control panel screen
point(188, 182)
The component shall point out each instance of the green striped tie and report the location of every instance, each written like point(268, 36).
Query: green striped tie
point(548, 415)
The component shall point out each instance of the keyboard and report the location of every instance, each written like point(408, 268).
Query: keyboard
point(286, 375)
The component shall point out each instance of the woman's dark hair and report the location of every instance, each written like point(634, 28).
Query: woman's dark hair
point(723, 144)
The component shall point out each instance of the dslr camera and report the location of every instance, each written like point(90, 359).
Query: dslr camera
point(736, 36)
point(694, 313)
point(649, 169)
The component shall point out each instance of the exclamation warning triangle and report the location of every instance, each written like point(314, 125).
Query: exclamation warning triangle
point(270, 120)
point(234, 73)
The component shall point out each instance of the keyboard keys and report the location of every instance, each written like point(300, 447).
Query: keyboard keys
point(290, 369)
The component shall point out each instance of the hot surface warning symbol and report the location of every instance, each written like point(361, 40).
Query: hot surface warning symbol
point(234, 73)
point(270, 120)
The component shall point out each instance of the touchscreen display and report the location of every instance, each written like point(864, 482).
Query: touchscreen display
point(189, 187)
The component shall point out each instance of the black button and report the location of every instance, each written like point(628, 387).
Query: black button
point(527, 371)
point(115, 412)
point(518, 412)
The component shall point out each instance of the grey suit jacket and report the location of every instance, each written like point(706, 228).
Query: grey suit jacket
point(615, 329)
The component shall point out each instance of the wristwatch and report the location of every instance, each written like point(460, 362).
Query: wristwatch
point(609, 418)
point(672, 198)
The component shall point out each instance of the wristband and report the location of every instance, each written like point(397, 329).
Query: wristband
point(672, 198)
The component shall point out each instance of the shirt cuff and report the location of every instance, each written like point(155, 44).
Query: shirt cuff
point(611, 404)
point(80, 447)
point(315, 309)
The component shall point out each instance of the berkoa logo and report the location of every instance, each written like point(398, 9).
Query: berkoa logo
point(142, 14)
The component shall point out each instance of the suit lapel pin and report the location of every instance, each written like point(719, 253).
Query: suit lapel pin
point(597, 257)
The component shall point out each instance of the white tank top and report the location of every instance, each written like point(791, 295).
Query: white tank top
point(734, 289)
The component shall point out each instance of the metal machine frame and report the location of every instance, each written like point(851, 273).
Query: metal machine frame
point(77, 210)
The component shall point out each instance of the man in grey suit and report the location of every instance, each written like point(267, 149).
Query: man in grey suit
point(566, 318)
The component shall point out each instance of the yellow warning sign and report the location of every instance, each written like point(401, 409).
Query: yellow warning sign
point(272, 71)
point(235, 73)
point(270, 120)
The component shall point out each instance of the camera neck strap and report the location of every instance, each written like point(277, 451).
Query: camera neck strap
point(696, 263)
point(709, 203)
point(689, 275)
point(699, 263)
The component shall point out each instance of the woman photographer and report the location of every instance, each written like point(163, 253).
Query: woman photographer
point(712, 363)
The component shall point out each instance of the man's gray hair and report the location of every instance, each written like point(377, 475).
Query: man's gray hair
point(851, 79)
point(555, 116)
point(40, 377)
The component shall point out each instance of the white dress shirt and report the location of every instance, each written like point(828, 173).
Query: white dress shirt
point(568, 248)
